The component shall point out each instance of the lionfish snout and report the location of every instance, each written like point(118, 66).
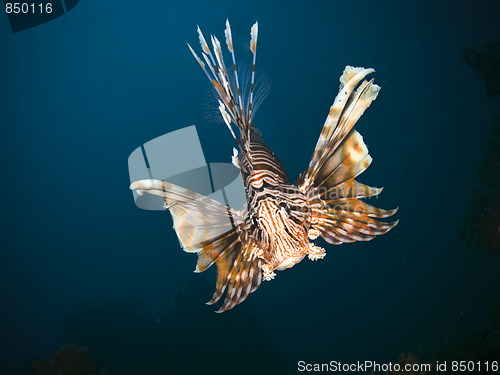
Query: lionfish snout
point(284, 252)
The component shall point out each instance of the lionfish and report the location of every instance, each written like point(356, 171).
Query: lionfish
point(272, 232)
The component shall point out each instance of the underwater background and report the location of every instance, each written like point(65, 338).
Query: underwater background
point(81, 264)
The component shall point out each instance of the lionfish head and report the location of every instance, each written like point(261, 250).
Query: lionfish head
point(281, 227)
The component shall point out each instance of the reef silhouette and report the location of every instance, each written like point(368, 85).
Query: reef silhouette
point(184, 340)
point(486, 63)
point(480, 227)
point(460, 344)
point(68, 360)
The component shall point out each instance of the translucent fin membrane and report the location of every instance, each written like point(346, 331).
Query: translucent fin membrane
point(226, 82)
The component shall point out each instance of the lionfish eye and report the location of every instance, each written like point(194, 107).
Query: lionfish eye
point(255, 221)
point(285, 206)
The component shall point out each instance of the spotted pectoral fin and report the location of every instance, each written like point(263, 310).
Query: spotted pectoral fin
point(349, 105)
point(337, 213)
point(238, 268)
point(353, 221)
point(238, 271)
point(345, 163)
point(213, 231)
point(197, 218)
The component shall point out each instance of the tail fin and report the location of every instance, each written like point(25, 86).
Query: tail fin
point(339, 157)
point(231, 101)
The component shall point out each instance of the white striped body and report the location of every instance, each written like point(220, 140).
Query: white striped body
point(277, 214)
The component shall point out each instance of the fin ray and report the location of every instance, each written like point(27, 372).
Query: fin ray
point(232, 106)
point(339, 157)
point(197, 218)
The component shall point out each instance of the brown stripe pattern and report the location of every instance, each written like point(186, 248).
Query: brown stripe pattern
point(274, 230)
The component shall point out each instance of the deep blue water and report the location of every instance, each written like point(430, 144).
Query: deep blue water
point(80, 263)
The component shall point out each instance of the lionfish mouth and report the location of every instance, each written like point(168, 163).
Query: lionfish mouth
point(290, 261)
point(288, 251)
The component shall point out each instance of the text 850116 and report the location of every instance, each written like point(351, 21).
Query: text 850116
point(31, 8)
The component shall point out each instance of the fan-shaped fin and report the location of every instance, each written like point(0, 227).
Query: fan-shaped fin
point(339, 157)
point(350, 227)
point(197, 218)
point(350, 189)
point(240, 273)
point(210, 251)
point(347, 108)
point(357, 208)
point(212, 230)
point(346, 162)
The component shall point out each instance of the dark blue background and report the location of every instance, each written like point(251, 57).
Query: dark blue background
point(79, 262)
